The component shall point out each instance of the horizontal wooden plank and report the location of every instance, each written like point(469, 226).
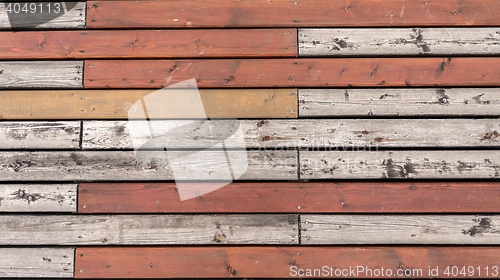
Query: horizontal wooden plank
point(283, 262)
point(399, 102)
point(311, 197)
point(40, 135)
point(148, 44)
point(37, 262)
point(399, 229)
point(60, 15)
point(41, 74)
point(399, 41)
point(38, 198)
point(304, 72)
point(399, 164)
point(302, 133)
point(148, 229)
point(115, 104)
point(282, 13)
point(126, 166)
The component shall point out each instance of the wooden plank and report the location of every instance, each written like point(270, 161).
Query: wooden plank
point(399, 229)
point(125, 166)
point(400, 164)
point(399, 102)
point(72, 15)
point(115, 104)
point(305, 72)
point(282, 13)
point(399, 41)
point(41, 74)
point(304, 133)
point(281, 262)
point(38, 198)
point(311, 197)
point(148, 229)
point(149, 44)
point(40, 135)
point(37, 262)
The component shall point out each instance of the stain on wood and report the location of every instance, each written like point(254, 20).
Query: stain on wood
point(69, 19)
point(38, 198)
point(39, 135)
point(41, 74)
point(37, 262)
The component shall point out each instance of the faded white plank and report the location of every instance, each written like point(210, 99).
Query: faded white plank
point(125, 165)
point(73, 17)
point(148, 229)
point(400, 229)
point(41, 74)
point(40, 135)
point(38, 198)
point(338, 164)
point(399, 41)
point(399, 102)
point(298, 133)
point(37, 262)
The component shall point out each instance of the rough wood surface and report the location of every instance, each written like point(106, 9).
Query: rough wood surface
point(38, 198)
point(126, 166)
point(399, 229)
point(41, 74)
point(37, 262)
point(148, 229)
point(399, 41)
point(287, 72)
point(278, 262)
point(72, 18)
point(288, 197)
point(115, 104)
point(39, 135)
point(283, 13)
point(399, 164)
point(149, 44)
point(297, 133)
point(399, 102)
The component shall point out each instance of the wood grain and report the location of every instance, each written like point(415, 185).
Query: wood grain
point(288, 197)
point(38, 198)
point(39, 135)
point(399, 41)
point(282, 13)
point(399, 102)
point(126, 166)
point(148, 44)
point(73, 18)
point(37, 262)
point(41, 74)
point(275, 262)
point(115, 104)
point(399, 229)
point(399, 164)
point(286, 72)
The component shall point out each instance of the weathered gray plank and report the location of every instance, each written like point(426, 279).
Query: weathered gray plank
point(399, 229)
point(41, 74)
point(399, 102)
point(73, 17)
point(125, 165)
point(148, 229)
point(399, 164)
point(37, 262)
point(399, 41)
point(299, 133)
point(38, 198)
point(40, 135)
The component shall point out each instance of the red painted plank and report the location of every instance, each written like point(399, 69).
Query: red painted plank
point(290, 13)
point(148, 43)
point(342, 72)
point(294, 198)
point(285, 262)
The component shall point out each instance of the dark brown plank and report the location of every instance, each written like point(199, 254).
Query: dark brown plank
point(342, 72)
point(284, 13)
